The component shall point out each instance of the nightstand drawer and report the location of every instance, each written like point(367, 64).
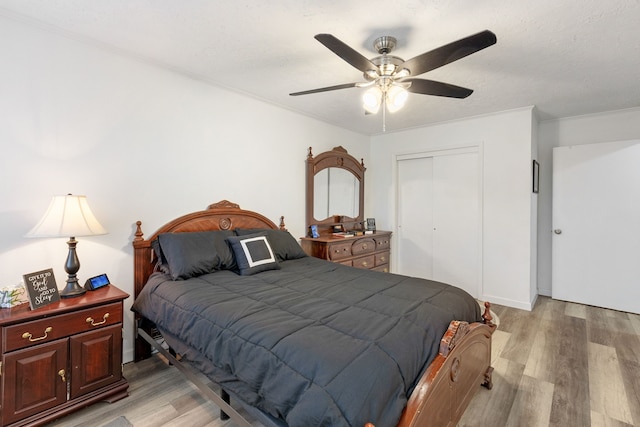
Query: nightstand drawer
point(51, 328)
point(340, 251)
point(363, 246)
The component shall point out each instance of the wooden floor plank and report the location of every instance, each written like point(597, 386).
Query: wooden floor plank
point(630, 372)
point(571, 405)
point(494, 406)
point(606, 386)
point(532, 406)
point(541, 363)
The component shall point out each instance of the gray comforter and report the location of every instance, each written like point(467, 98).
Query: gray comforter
point(314, 343)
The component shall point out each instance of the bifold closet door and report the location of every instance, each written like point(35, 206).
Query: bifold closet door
point(415, 217)
point(439, 217)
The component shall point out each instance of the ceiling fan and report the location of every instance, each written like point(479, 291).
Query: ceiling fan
point(390, 78)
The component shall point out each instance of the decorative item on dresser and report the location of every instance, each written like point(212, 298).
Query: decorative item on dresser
point(62, 357)
point(370, 251)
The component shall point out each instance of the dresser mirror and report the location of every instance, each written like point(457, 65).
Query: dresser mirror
point(335, 190)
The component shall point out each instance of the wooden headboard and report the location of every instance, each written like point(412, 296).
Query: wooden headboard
point(223, 215)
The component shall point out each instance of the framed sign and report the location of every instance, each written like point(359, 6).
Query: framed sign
point(41, 288)
point(536, 176)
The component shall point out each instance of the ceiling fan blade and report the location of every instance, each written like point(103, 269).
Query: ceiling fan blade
point(430, 87)
point(450, 52)
point(345, 52)
point(325, 89)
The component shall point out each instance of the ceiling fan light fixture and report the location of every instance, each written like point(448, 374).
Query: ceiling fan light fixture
point(402, 73)
point(372, 99)
point(396, 98)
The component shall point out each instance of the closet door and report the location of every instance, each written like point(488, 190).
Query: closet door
point(439, 217)
point(415, 217)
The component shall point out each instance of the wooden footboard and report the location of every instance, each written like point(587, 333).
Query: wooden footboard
point(452, 379)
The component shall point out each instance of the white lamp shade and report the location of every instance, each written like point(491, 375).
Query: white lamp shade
point(372, 99)
point(396, 98)
point(67, 216)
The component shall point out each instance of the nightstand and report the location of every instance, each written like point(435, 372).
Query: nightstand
point(61, 357)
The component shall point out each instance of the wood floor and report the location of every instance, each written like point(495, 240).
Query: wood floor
point(562, 364)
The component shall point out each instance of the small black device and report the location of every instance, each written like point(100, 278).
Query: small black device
point(96, 282)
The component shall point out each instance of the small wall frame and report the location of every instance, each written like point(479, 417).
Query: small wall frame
point(536, 176)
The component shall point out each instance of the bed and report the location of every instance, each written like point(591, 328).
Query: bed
point(301, 341)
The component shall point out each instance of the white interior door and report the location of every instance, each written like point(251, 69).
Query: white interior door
point(438, 217)
point(596, 222)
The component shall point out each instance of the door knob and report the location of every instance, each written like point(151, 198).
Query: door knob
point(557, 231)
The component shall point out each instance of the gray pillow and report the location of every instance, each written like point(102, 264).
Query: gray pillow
point(283, 243)
point(192, 254)
point(253, 253)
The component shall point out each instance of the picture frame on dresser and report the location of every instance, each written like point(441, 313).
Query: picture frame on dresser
point(41, 288)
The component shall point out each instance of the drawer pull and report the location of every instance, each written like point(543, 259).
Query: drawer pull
point(61, 373)
point(364, 263)
point(29, 337)
point(104, 320)
point(382, 259)
point(364, 246)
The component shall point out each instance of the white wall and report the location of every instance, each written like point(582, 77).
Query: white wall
point(142, 143)
point(507, 215)
point(145, 143)
point(611, 126)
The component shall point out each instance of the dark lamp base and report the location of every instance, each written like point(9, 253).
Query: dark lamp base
point(72, 290)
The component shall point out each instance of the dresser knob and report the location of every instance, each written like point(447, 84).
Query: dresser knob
point(61, 373)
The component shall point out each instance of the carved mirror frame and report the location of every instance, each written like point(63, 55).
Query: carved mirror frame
point(338, 157)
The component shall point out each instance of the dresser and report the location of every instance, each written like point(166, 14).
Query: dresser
point(61, 357)
point(370, 251)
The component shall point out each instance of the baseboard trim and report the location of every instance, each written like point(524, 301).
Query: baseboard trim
point(522, 305)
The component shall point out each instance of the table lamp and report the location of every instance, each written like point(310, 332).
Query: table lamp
point(69, 216)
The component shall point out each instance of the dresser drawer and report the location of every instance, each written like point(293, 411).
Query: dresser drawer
point(384, 268)
point(51, 328)
point(363, 246)
point(382, 258)
point(340, 251)
point(364, 262)
point(382, 242)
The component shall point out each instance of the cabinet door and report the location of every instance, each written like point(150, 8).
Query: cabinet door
point(96, 359)
point(34, 379)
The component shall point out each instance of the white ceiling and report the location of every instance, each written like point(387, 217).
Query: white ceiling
point(567, 58)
